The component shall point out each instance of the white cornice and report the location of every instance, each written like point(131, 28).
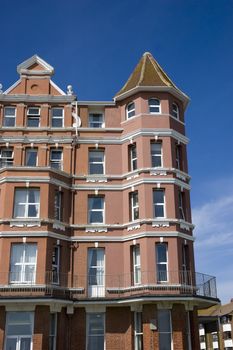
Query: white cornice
point(37, 98)
point(101, 140)
point(96, 103)
point(94, 238)
point(120, 187)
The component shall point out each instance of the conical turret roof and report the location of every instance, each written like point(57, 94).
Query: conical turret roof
point(148, 75)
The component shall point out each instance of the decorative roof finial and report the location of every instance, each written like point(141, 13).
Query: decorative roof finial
point(70, 90)
point(1, 89)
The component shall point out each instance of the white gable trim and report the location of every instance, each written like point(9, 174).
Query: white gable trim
point(22, 67)
point(12, 87)
point(57, 87)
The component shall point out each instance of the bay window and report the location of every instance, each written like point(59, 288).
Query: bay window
point(96, 270)
point(162, 262)
point(6, 157)
point(165, 329)
point(95, 210)
point(154, 106)
point(130, 110)
point(19, 330)
point(96, 162)
point(159, 203)
point(56, 158)
point(33, 117)
point(134, 206)
point(136, 264)
point(31, 157)
point(95, 331)
point(23, 263)
point(27, 203)
point(156, 154)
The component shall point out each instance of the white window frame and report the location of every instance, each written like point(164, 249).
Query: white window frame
point(58, 205)
point(33, 116)
point(178, 157)
point(130, 112)
point(160, 277)
point(133, 160)
point(89, 314)
point(21, 336)
point(181, 205)
point(31, 150)
point(175, 111)
point(56, 163)
point(155, 105)
point(90, 210)
point(102, 162)
point(57, 118)
point(156, 155)
point(93, 123)
point(20, 278)
point(56, 264)
point(134, 206)
point(136, 264)
point(138, 331)
point(53, 336)
point(9, 117)
point(96, 280)
point(26, 204)
point(170, 326)
point(159, 204)
point(6, 160)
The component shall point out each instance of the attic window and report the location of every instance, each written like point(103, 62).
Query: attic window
point(154, 106)
point(130, 110)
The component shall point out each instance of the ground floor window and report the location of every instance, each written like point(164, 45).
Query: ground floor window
point(53, 331)
point(19, 330)
point(95, 331)
point(138, 332)
point(165, 329)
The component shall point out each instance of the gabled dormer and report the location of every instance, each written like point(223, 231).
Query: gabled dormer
point(35, 79)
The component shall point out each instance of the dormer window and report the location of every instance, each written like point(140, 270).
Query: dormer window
point(154, 106)
point(130, 110)
point(96, 120)
point(175, 111)
point(33, 117)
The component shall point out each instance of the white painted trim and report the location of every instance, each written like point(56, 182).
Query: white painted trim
point(12, 87)
point(57, 88)
point(37, 98)
point(96, 103)
point(32, 60)
point(120, 187)
point(94, 238)
point(112, 141)
point(126, 238)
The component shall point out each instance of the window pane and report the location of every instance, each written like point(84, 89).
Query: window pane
point(164, 341)
point(164, 320)
point(161, 252)
point(159, 211)
point(57, 112)
point(25, 343)
point(19, 329)
point(31, 157)
point(96, 203)
point(159, 196)
point(11, 343)
point(56, 155)
point(57, 122)
point(96, 217)
point(9, 111)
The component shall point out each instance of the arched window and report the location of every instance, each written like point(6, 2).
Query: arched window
point(154, 106)
point(175, 111)
point(130, 110)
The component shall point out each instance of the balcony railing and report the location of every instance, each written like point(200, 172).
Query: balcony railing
point(107, 286)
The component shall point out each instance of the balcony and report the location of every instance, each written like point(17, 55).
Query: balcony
point(79, 287)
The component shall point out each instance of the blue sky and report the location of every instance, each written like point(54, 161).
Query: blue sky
point(94, 45)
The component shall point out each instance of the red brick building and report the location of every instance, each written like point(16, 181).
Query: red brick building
point(96, 244)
